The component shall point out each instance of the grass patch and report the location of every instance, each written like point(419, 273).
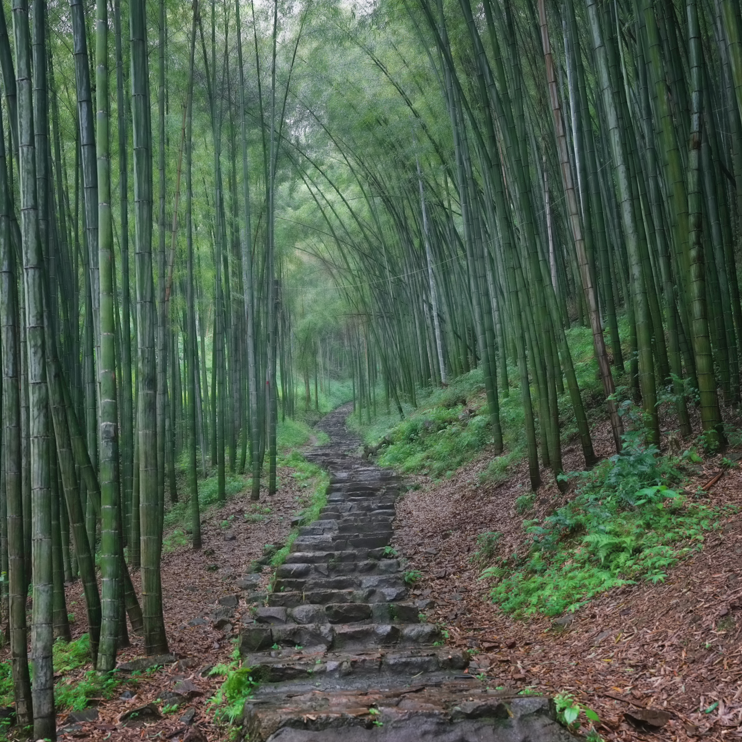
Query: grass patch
point(322, 438)
point(627, 522)
point(6, 685)
point(75, 694)
point(291, 434)
point(317, 482)
point(71, 655)
point(443, 433)
point(70, 693)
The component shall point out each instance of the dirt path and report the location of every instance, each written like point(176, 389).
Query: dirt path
point(343, 654)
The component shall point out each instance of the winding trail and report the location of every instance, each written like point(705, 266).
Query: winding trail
point(340, 651)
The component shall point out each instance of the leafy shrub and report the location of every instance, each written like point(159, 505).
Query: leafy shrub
point(412, 576)
point(624, 524)
point(569, 710)
point(436, 441)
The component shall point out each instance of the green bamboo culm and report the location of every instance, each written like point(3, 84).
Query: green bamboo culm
point(42, 636)
point(11, 452)
point(191, 341)
point(155, 640)
point(710, 413)
point(630, 223)
point(111, 586)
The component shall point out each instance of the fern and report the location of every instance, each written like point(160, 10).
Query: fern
point(625, 524)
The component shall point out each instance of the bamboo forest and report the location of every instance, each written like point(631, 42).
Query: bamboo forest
point(370, 370)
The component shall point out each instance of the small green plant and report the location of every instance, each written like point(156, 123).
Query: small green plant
point(74, 694)
point(71, 655)
point(486, 546)
point(238, 685)
point(569, 711)
point(174, 540)
point(524, 503)
point(6, 684)
point(389, 552)
point(529, 690)
point(412, 576)
point(169, 708)
point(375, 714)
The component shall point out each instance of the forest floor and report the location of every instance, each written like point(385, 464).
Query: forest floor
point(675, 646)
point(202, 603)
point(671, 646)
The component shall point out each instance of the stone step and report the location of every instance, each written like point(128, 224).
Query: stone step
point(340, 542)
point(293, 598)
point(280, 666)
point(345, 555)
point(354, 511)
point(356, 581)
point(344, 637)
point(359, 527)
point(337, 567)
point(366, 526)
point(339, 613)
point(378, 498)
point(447, 712)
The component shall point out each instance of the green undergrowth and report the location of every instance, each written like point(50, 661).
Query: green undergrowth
point(6, 687)
point(73, 693)
point(228, 702)
point(629, 521)
point(316, 482)
point(444, 432)
point(290, 435)
point(450, 426)
point(72, 690)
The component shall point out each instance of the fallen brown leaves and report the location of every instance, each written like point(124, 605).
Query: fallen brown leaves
point(674, 647)
point(192, 582)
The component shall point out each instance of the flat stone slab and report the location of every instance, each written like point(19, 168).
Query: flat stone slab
point(145, 663)
point(448, 712)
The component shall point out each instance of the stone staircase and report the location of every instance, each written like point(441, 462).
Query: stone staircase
point(341, 651)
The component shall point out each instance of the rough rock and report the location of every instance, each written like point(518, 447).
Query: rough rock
point(145, 663)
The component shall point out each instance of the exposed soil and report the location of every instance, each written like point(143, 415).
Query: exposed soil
point(676, 646)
